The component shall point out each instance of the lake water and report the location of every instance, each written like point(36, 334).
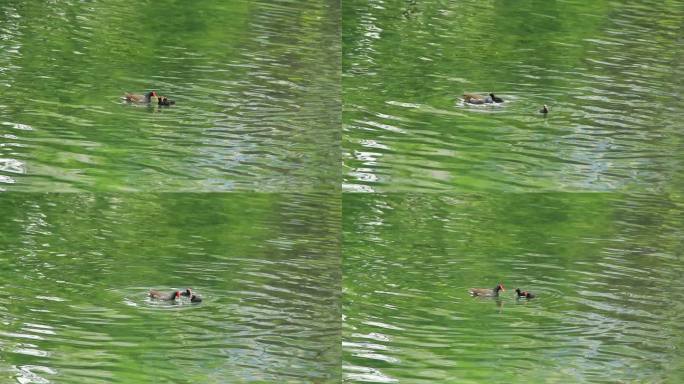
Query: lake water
point(321, 184)
point(606, 268)
point(472, 195)
point(610, 72)
point(256, 85)
point(77, 269)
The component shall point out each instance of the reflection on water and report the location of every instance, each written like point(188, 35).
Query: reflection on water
point(608, 70)
point(258, 104)
point(77, 269)
point(606, 270)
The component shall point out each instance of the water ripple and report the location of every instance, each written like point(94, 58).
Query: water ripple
point(257, 102)
point(77, 282)
point(603, 268)
point(610, 86)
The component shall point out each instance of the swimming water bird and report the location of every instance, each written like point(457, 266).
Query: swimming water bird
point(486, 292)
point(525, 294)
point(156, 295)
point(165, 101)
point(495, 99)
point(141, 99)
point(193, 298)
point(544, 110)
point(472, 98)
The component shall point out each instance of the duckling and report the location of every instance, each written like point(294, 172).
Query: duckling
point(544, 110)
point(193, 298)
point(165, 101)
point(525, 294)
point(496, 99)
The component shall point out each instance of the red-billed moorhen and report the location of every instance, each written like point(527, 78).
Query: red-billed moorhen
point(486, 292)
point(141, 99)
point(156, 295)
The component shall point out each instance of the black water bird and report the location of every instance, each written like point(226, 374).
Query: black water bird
point(526, 294)
point(544, 110)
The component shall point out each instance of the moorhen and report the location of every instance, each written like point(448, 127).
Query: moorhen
point(525, 294)
point(156, 295)
point(472, 98)
point(486, 292)
point(140, 99)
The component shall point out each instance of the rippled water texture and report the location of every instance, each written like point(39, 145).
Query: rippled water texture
point(76, 270)
point(607, 270)
point(256, 85)
point(611, 72)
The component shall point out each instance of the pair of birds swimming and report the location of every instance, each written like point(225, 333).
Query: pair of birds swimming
point(174, 296)
point(148, 98)
point(486, 292)
point(472, 98)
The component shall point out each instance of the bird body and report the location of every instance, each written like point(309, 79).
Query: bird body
point(193, 298)
point(525, 294)
point(544, 110)
point(157, 295)
point(140, 99)
point(472, 98)
point(486, 292)
point(174, 296)
point(149, 98)
point(165, 101)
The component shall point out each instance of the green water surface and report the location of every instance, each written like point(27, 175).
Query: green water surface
point(606, 268)
point(247, 191)
point(610, 72)
point(256, 85)
point(76, 269)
